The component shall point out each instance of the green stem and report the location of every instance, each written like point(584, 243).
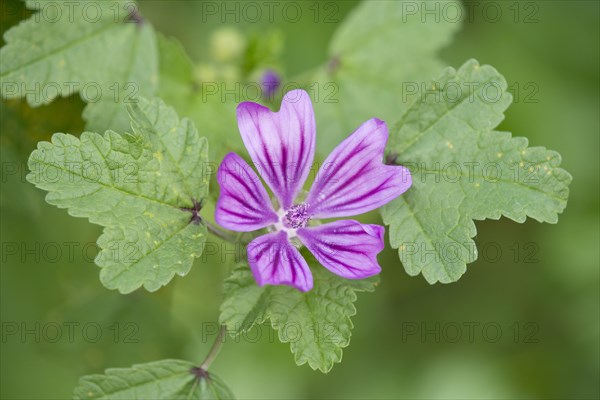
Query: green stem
point(214, 350)
point(218, 232)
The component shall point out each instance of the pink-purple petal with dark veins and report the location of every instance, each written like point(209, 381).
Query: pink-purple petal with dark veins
point(281, 144)
point(243, 204)
point(347, 248)
point(275, 261)
point(353, 179)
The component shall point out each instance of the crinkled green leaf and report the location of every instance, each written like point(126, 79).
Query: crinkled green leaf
point(158, 380)
point(90, 47)
point(316, 324)
point(464, 170)
point(135, 185)
point(379, 51)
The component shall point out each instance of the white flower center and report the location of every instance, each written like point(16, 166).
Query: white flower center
point(294, 218)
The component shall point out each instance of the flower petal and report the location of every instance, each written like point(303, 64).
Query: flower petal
point(243, 204)
point(275, 261)
point(281, 144)
point(353, 180)
point(347, 248)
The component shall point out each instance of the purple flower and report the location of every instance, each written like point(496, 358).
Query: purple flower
point(270, 83)
point(353, 180)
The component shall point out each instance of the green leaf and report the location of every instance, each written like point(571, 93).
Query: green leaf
point(316, 324)
point(165, 379)
point(464, 170)
point(138, 186)
point(212, 387)
point(379, 51)
point(176, 73)
point(90, 47)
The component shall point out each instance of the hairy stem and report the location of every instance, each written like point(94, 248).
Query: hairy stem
point(214, 350)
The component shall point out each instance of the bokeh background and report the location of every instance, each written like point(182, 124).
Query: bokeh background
point(538, 283)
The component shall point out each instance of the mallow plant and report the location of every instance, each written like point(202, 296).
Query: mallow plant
point(144, 172)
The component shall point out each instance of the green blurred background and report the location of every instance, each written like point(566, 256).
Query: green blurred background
point(538, 283)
